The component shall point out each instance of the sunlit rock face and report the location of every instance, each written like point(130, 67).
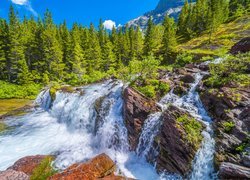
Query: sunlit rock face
point(164, 7)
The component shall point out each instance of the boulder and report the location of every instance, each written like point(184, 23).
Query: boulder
point(176, 151)
point(137, 107)
point(233, 171)
point(13, 175)
point(242, 46)
point(28, 164)
point(98, 167)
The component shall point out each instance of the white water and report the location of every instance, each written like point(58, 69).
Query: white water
point(68, 130)
point(203, 163)
point(202, 167)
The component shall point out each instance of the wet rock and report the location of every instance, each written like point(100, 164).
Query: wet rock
point(188, 78)
point(28, 164)
point(99, 167)
point(230, 109)
point(246, 160)
point(137, 107)
point(233, 171)
point(242, 46)
point(13, 175)
point(176, 151)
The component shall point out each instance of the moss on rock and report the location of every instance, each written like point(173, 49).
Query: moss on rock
point(192, 129)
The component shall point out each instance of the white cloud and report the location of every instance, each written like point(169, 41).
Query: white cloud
point(25, 3)
point(109, 24)
point(20, 2)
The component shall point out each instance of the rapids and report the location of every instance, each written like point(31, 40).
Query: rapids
point(71, 129)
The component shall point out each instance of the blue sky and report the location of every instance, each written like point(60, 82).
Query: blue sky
point(81, 11)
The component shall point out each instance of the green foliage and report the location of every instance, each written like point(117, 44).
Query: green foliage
point(183, 59)
point(28, 91)
point(241, 147)
point(232, 69)
point(147, 90)
point(228, 126)
point(192, 129)
point(44, 170)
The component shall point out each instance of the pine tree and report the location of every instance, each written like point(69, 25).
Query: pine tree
point(3, 49)
point(16, 64)
point(51, 49)
point(93, 51)
point(138, 43)
point(149, 41)
point(169, 37)
point(183, 18)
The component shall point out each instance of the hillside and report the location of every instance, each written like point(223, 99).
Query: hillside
point(221, 40)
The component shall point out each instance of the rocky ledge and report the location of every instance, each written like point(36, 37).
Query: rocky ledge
point(230, 108)
point(136, 110)
point(177, 142)
point(100, 167)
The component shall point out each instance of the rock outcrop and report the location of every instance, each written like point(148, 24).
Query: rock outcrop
point(136, 110)
point(233, 171)
point(99, 167)
point(13, 175)
point(28, 164)
point(176, 150)
point(242, 46)
point(230, 109)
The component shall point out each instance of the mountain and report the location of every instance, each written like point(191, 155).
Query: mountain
point(170, 7)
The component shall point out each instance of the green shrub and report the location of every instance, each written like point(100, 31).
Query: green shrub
point(228, 126)
point(148, 91)
point(232, 69)
point(28, 91)
point(164, 88)
point(192, 128)
point(44, 170)
point(183, 59)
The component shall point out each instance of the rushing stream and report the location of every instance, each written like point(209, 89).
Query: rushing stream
point(72, 130)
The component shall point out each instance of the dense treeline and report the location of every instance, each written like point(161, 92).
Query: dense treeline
point(40, 51)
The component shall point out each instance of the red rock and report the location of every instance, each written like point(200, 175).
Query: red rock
point(136, 110)
point(28, 164)
point(13, 175)
point(98, 167)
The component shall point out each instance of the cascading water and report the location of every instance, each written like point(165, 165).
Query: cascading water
point(73, 131)
point(203, 163)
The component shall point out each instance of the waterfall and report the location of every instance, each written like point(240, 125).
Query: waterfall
point(149, 131)
point(202, 167)
point(71, 129)
point(78, 126)
point(44, 100)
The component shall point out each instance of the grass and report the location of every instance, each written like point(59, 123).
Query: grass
point(192, 128)
point(7, 105)
point(44, 170)
point(221, 41)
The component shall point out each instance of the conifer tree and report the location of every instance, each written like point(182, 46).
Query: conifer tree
point(3, 49)
point(149, 41)
point(16, 64)
point(169, 37)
